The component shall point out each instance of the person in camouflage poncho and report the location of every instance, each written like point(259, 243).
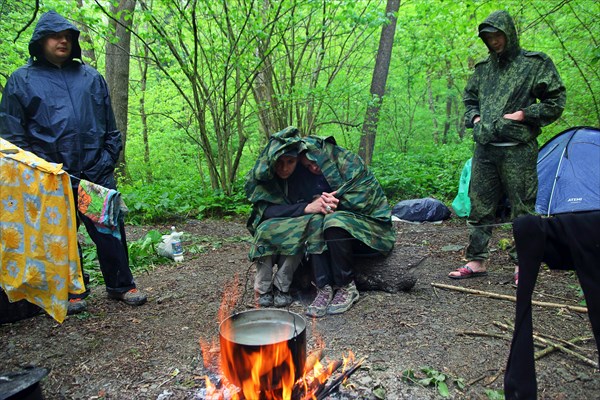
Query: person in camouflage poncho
point(510, 96)
point(358, 208)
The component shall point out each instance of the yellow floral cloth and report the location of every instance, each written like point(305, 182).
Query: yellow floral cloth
point(39, 260)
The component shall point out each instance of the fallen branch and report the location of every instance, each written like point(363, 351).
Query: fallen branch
point(560, 347)
point(510, 298)
point(480, 333)
point(551, 349)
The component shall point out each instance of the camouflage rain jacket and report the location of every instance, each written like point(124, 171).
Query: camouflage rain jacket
point(508, 82)
point(363, 209)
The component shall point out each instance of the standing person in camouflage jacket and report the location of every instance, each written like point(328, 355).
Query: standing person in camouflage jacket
point(510, 96)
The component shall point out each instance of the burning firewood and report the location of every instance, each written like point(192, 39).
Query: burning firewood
point(325, 383)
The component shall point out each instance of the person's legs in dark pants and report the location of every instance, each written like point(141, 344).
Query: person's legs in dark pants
point(341, 244)
point(321, 268)
point(113, 258)
point(114, 264)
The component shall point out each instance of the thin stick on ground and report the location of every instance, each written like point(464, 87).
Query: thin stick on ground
point(560, 347)
point(488, 334)
point(510, 298)
point(551, 349)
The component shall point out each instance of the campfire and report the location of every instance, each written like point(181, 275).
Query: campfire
point(263, 356)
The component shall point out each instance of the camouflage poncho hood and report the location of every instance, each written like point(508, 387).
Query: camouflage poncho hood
point(514, 80)
point(363, 209)
point(502, 21)
point(279, 143)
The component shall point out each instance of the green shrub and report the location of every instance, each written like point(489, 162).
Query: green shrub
point(433, 172)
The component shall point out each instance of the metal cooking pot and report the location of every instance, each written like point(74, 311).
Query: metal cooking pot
point(246, 334)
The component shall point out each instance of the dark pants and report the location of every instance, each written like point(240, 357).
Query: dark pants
point(334, 266)
point(112, 256)
point(566, 241)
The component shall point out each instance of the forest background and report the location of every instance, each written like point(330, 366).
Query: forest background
point(199, 85)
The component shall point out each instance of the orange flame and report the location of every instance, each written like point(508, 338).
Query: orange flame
point(267, 373)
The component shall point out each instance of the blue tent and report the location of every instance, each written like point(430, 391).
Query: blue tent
point(569, 172)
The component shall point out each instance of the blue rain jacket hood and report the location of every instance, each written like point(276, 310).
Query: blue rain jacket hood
point(49, 23)
point(62, 114)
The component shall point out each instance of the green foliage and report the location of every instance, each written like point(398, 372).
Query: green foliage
point(495, 394)
point(142, 252)
point(142, 255)
point(89, 259)
point(164, 201)
point(430, 377)
point(434, 172)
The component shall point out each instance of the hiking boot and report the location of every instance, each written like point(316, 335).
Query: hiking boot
point(318, 308)
point(76, 306)
point(265, 300)
point(133, 297)
point(282, 299)
point(344, 298)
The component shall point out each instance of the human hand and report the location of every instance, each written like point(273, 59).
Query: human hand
point(516, 116)
point(324, 204)
point(476, 119)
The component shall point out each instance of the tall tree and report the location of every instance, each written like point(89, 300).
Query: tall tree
point(117, 68)
point(380, 74)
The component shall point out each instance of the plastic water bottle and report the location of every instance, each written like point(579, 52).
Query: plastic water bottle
point(176, 245)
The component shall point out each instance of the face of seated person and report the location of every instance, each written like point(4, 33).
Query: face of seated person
point(310, 165)
point(285, 166)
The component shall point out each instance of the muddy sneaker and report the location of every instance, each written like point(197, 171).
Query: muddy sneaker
point(265, 300)
point(76, 306)
point(344, 298)
point(282, 299)
point(133, 297)
point(318, 308)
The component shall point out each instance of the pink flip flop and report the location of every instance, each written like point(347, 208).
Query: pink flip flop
point(466, 272)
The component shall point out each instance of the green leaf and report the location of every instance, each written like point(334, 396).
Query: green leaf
point(495, 394)
point(443, 389)
point(379, 392)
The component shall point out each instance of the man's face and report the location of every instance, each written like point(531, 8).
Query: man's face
point(310, 165)
point(495, 40)
point(285, 166)
point(57, 47)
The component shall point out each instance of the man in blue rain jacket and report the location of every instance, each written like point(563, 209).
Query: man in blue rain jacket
point(59, 108)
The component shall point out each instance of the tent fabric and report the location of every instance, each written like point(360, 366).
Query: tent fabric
point(569, 172)
point(421, 210)
point(462, 203)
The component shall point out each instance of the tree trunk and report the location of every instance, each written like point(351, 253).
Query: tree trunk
point(117, 70)
point(88, 55)
point(143, 115)
point(449, 86)
point(380, 73)
point(431, 101)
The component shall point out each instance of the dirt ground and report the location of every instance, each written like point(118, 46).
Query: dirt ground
point(153, 352)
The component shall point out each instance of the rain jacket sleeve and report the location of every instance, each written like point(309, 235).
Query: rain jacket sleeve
point(12, 116)
point(471, 100)
point(549, 89)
